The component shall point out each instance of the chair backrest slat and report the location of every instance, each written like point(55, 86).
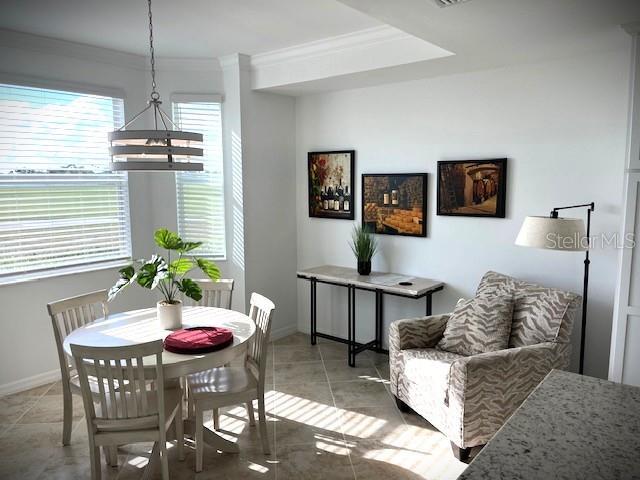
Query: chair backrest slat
point(131, 386)
point(144, 407)
point(216, 293)
point(126, 388)
point(261, 312)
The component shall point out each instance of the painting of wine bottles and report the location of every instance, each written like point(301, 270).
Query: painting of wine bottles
point(331, 192)
point(472, 188)
point(395, 204)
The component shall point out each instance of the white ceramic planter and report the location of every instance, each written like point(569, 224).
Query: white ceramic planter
point(170, 315)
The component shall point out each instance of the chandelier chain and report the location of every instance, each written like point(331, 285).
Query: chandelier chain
point(154, 94)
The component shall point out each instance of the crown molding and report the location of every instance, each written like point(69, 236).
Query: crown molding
point(330, 45)
point(54, 46)
point(81, 51)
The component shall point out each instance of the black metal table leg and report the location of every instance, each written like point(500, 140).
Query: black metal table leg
point(314, 326)
point(379, 319)
point(352, 326)
point(428, 304)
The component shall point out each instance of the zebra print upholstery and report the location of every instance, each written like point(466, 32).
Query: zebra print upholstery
point(481, 324)
point(468, 398)
point(538, 311)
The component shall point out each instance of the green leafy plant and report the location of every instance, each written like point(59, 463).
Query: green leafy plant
point(165, 274)
point(363, 243)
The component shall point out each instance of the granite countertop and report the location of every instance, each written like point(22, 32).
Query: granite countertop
point(570, 427)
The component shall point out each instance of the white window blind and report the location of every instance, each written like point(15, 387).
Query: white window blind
point(60, 206)
point(200, 195)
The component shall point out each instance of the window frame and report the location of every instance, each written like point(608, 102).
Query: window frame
point(178, 97)
point(79, 88)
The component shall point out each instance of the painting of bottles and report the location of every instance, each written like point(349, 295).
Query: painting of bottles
point(331, 192)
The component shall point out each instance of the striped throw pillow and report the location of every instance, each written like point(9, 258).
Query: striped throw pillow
point(479, 325)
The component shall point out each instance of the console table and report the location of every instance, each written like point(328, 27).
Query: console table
point(378, 282)
point(571, 426)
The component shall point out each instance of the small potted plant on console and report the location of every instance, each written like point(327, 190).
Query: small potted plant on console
point(364, 246)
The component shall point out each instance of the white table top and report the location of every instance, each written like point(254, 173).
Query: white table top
point(138, 326)
point(387, 282)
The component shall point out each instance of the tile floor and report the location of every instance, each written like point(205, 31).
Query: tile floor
point(326, 421)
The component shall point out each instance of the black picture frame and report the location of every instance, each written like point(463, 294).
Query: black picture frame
point(483, 197)
point(323, 173)
point(411, 220)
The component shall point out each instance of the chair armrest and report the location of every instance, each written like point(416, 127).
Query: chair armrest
point(422, 332)
point(486, 389)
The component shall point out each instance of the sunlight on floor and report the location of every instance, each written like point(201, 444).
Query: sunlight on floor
point(311, 437)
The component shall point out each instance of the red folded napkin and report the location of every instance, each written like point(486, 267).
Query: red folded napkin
point(198, 340)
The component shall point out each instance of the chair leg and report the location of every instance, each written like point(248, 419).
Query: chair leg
point(403, 407)
point(462, 454)
point(190, 409)
point(252, 417)
point(262, 416)
point(199, 437)
point(67, 400)
point(179, 433)
point(107, 455)
point(113, 456)
point(164, 459)
point(94, 454)
point(216, 419)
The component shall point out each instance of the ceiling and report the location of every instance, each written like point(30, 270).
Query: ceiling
point(483, 34)
point(185, 28)
point(476, 34)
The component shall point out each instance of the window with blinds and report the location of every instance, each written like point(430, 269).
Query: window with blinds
point(200, 195)
point(60, 206)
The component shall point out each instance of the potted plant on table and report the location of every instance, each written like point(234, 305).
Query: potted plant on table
point(364, 246)
point(167, 275)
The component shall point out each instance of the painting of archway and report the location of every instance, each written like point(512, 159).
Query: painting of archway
point(472, 188)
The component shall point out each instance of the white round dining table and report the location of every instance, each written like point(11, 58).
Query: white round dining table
point(139, 326)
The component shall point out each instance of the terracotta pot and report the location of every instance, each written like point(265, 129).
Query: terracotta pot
point(364, 267)
point(170, 315)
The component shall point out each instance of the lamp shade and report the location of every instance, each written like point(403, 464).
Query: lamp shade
point(567, 234)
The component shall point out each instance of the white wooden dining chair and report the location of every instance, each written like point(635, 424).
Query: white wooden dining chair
point(133, 405)
point(216, 293)
point(66, 316)
point(223, 386)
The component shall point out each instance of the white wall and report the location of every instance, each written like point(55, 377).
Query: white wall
point(562, 126)
point(261, 130)
point(269, 191)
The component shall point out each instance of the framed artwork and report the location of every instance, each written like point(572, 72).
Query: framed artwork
point(331, 193)
point(395, 204)
point(472, 188)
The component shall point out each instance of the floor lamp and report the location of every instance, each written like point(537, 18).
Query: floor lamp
point(567, 234)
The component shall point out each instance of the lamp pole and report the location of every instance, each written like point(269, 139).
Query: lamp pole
point(585, 284)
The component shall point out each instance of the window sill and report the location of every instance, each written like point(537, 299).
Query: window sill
point(62, 272)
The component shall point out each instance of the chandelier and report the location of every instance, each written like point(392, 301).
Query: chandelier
point(161, 149)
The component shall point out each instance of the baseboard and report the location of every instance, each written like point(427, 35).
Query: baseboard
point(29, 382)
point(283, 331)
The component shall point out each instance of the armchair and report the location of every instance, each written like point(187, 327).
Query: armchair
point(468, 398)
